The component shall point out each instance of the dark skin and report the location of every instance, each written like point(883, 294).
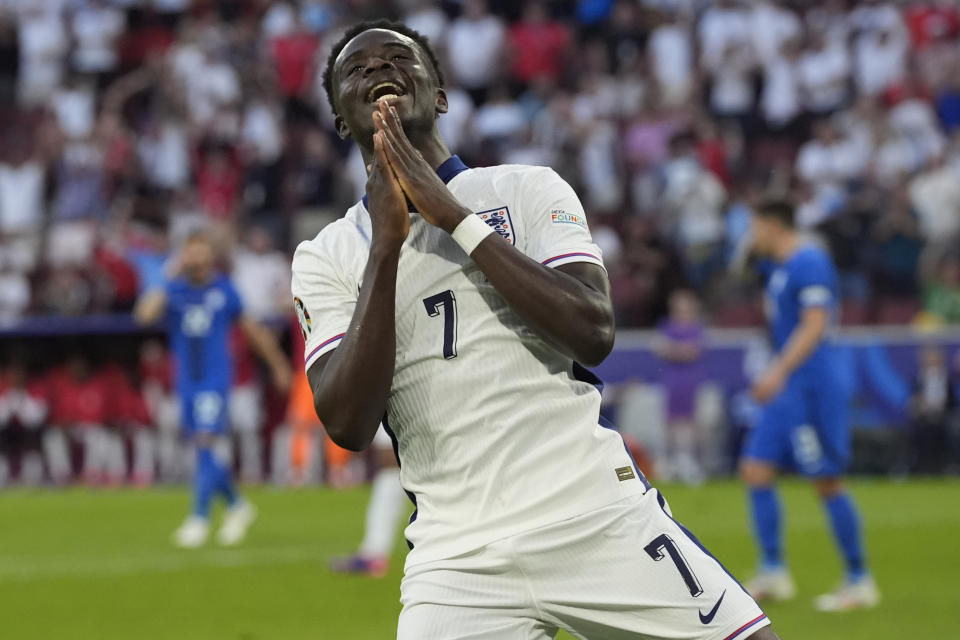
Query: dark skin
point(569, 306)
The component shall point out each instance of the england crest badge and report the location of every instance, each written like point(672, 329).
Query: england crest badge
point(500, 221)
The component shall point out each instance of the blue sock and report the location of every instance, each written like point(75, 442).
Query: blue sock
point(204, 482)
point(765, 509)
point(845, 522)
point(224, 483)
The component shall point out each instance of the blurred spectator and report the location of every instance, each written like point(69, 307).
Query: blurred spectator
point(43, 45)
point(727, 56)
point(22, 207)
point(23, 413)
point(540, 45)
point(428, 18)
point(828, 163)
point(942, 291)
point(898, 246)
point(680, 346)
point(245, 408)
point(693, 202)
point(933, 408)
point(79, 413)
point(165, 117)
point(262, 276)
point(935, 196)
point(474, 48)
point(671, 58)
point(96, 26)
point(155, 372)
point(880, 58)
point(824, 74)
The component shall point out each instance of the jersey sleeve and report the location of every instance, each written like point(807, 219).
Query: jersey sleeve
point(813, 281)
point(324, 299)
point(234, 304)
point(554, 222)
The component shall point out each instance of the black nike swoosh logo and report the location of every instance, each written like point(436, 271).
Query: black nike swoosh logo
point(707, 619)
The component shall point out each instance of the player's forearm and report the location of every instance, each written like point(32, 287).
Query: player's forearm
point(576, 317)
point(350, 391)
point(801, 344)
point(264, 344)
point(149, 307)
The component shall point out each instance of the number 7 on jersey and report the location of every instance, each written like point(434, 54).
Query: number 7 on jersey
point(446, 302)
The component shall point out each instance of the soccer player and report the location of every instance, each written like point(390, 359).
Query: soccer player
point(459, 305)
point(199, 307)
point(804, 423)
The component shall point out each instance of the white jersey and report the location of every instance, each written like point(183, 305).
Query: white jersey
point(497, 431)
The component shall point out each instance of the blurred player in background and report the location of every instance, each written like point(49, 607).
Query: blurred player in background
point(387, 504)
point(459, 303)
point(680, 345)
point(199, 306)
point(804, 425)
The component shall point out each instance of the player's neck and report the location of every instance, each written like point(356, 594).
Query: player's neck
point(786, 246)
point(200, 280)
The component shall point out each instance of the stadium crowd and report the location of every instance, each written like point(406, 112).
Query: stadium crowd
point(125, 123)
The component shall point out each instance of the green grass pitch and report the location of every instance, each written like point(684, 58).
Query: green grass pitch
point(98, 565)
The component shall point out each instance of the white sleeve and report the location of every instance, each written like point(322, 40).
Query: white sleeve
point(554, 222)
point(324, 297)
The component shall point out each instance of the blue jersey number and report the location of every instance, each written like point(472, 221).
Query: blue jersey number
point(447, 303)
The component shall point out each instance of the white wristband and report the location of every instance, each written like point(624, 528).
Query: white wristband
point(470, 232)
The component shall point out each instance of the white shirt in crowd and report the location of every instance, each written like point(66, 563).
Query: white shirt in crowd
point(822, 163)
point(429, 20)
point(474, 48)
point(262, 281)
point(935, 196)
point(781, 99)
point(455, 123)
point(75, 110)
point(727, 55)
point(671, 55)
point(771, 26)
point(498, 432)
point(881, 60)
point(96, 30)
point(21, 197)
point(43, 43)
point(824, 74)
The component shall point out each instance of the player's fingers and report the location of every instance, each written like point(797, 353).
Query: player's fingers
point(394, 130)
point(400, 136)
point(379, 155)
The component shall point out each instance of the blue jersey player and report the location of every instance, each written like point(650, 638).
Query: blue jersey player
point(199, 308)
point(803, 425)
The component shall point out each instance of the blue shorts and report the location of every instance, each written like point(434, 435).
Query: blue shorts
point(203, 411)
point(805, 429)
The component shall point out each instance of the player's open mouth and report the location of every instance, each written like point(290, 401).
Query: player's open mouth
point(385, 91)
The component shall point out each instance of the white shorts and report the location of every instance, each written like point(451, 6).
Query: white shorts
point(381, 439)
point(627, 570)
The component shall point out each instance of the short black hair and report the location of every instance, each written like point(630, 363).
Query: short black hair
point(389, 25)
point(778, 209)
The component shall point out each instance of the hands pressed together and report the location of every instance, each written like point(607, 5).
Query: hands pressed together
point(399, 173)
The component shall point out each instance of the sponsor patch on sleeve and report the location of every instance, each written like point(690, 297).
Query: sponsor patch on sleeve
point(303, 317)
point(559, 216)
point(625, 473)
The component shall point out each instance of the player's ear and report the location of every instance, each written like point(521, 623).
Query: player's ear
point(441, 104)
point(342, 129)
